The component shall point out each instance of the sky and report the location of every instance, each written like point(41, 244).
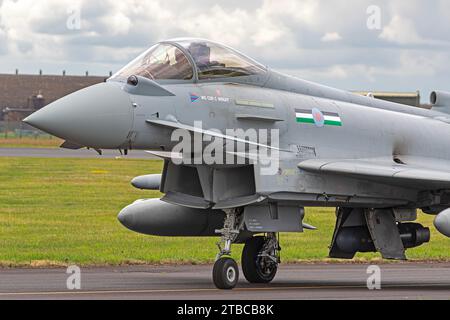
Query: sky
point(392, 45)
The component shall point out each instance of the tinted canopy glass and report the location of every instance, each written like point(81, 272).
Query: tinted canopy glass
point(217, 61)
point(161, 62)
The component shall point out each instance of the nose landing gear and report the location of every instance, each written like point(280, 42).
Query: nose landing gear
point(226, 271)
point(260, 258)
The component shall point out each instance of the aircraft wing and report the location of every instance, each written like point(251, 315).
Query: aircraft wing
point(414, 176)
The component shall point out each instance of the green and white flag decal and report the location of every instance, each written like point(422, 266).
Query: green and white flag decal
point(319, 118)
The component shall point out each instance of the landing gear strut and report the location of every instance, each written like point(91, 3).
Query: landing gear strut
point(260, 258)
point(226, 271)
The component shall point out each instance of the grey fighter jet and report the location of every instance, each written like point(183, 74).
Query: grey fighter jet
point(246, 149)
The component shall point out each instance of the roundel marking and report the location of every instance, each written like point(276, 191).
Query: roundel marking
point(319, 118)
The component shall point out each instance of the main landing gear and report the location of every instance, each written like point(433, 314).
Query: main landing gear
point(260, 257)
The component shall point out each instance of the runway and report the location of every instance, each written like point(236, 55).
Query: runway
point(64, 153)
point(293, 282)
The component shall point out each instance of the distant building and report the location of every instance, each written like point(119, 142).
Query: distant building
point(21, 95)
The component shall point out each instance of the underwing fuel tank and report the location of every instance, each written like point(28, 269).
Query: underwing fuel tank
point(442, 222)
point(158, 218)
point(149, 182)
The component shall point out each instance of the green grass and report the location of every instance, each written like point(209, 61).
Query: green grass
point(42, 141)
point(64, 211)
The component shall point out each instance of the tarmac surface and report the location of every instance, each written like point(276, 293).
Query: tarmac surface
point(64, 153)
point(293, 282)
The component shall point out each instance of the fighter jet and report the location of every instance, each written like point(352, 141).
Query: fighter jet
point(246, 149)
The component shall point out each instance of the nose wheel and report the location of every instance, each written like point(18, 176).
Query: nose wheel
point(225, 274)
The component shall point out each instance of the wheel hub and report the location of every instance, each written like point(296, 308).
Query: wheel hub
point(231, 274)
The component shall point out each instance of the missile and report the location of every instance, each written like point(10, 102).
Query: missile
point(442, 222)
point(158, 218)
point(149, 182)
point(359, 239)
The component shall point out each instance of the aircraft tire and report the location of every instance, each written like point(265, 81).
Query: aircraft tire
point(225, 274)
point(251, 264)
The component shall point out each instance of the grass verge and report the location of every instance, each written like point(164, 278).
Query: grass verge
point(55, 212)
point(30, 142)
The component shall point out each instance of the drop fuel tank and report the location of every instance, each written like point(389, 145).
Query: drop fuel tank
point(158, 218)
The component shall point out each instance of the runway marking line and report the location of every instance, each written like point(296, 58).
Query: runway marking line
point(68, 293)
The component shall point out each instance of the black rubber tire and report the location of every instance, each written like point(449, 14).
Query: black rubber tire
point(226, 274)
point(250, 267)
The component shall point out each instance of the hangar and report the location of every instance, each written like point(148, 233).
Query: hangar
point(21, 95)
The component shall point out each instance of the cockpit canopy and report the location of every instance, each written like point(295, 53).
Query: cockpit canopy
point(188, 60)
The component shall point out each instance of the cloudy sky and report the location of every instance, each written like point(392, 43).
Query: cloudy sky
point(398, 45)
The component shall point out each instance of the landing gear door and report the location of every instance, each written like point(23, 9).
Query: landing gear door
point(274, 218)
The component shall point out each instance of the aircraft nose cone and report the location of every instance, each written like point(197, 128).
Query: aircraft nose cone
point(100, 116)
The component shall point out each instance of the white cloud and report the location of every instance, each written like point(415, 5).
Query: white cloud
point(218, 24)
point(331, 37)
point(402, 31)
point(302, 37)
